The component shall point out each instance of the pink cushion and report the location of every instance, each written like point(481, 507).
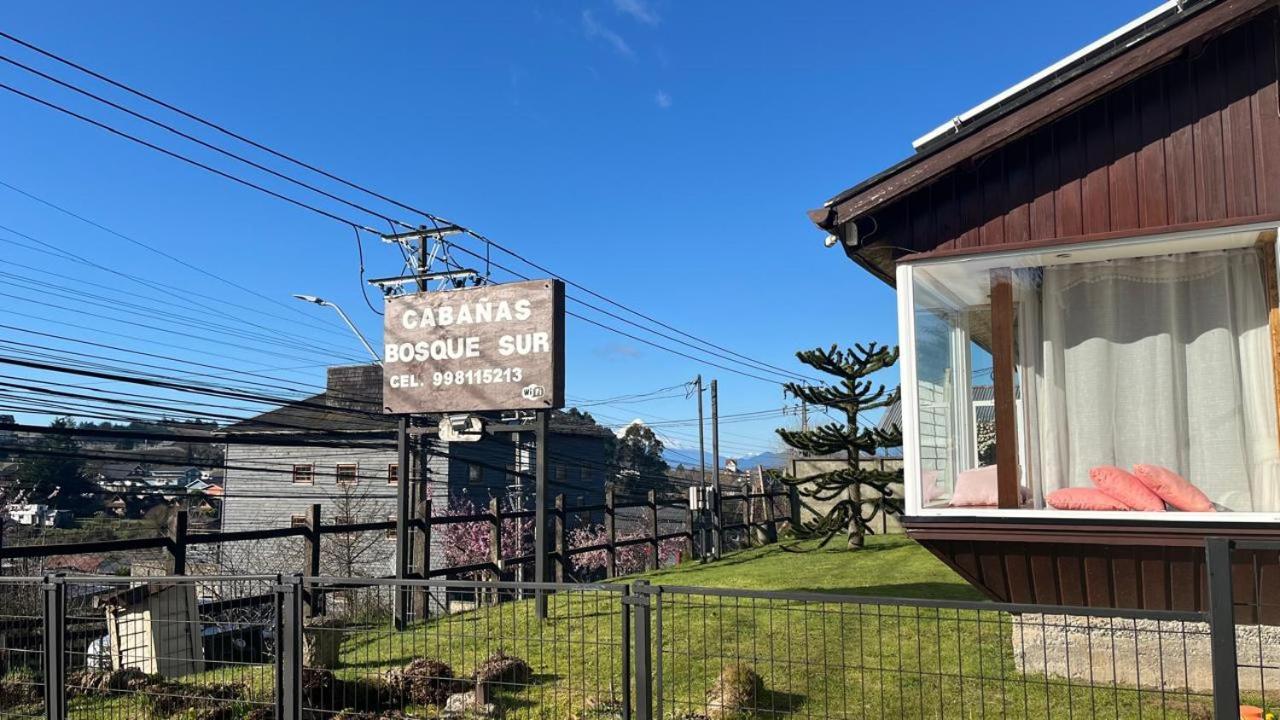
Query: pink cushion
point(1126, 488)
point(1081, 498)
point(1173, 488)
point(978, 488)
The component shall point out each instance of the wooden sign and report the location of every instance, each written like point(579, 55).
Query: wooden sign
point(496, 347)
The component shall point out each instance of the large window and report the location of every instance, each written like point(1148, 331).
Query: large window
point(1153, 356)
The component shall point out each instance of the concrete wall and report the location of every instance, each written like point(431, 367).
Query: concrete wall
point(801, 467)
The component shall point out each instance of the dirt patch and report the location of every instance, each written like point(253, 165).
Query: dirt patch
point(425, 681)
point(735, 692)
point(102, 682)
point(503, 668)
point(210, 702)
point(321, 690)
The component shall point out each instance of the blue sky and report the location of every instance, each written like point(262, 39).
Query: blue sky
point(661, 153)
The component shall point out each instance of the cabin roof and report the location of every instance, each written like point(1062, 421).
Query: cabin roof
point(1061, 89)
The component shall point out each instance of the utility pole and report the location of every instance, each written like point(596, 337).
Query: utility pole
point(702, 477)
point(717, 521)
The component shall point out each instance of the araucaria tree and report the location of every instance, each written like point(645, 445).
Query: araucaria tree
point(844, 491)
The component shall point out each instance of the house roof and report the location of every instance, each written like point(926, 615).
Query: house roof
point(1059, 89)
point(352, 403)
point(984, 413)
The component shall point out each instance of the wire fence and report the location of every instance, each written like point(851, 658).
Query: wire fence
point(260, 647)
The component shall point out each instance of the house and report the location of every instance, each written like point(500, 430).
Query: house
point(337, 449)
point(35, 515)
point(1099, 240)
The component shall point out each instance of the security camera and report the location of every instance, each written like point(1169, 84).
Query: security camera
point(830, 241)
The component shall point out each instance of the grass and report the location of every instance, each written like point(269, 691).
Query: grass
point(817, 659)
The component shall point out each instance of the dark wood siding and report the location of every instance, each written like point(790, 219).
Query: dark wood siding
point(1192, 141)
point(1102, 564)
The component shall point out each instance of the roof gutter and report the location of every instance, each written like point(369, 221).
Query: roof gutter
point(1104, 42)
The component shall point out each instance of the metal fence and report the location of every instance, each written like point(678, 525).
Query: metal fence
point(260, 647)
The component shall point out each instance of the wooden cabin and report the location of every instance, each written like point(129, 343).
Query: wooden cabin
point(1098, 244)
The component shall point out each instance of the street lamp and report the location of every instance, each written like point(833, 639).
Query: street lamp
point(325, 303)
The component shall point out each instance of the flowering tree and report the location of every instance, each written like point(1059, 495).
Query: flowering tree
point(468, 543)
point(631, 558)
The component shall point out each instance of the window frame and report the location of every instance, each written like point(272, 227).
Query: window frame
point(393, 473)
point(310, 473)
point(338, 471)
point(1178, 242)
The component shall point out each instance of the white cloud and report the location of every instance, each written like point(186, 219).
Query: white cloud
point(662, 99)
point(593, 28)
point(638, 9)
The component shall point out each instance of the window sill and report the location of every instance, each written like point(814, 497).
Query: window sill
point(1033, 515)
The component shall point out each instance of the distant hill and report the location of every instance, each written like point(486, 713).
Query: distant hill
point(689, 459)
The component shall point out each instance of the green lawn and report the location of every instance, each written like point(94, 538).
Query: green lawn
point(817, 659)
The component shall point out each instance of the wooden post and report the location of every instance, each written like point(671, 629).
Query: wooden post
point(178, 541)
point(751, 517)
point(611, 534)
point(793, 500)
point(495, 543)
point(312, 560)
point(422, 558)
point(562, 522)
point(688, 538)
point(652, 499)
point(1002, 366)
point(770, 513)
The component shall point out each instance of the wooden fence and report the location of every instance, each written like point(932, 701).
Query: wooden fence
point(760, 525)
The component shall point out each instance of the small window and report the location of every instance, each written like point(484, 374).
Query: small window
point(347, 474)
point(298, 521)
point(393, 473)
point(562, 474)
point(343, 520)
point(304, 475)
point(391, 532)
point(475, 474)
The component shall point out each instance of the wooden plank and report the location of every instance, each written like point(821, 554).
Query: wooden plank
point(1244, 588)
point(1002, 369)
point(1265, 106)
point(1054, 104)
point(970, 206)
point(1045, 178)
point(1236, 78)
point(1044, 574)
point(1095, 187)
point(1067, 200)
point(1071, 575)
point(1184, 577)
point(1179, 147)
point(1021, 190)
point(947, 212)
point(920, 216)
point(1153, 125)
point(1017, 573)
point(1154, 569)
point(1122, 175)
point(1267, 259)
point(991, 183)
point(1097, 581)
point(1269, 589)
point(991, 562)
point(1125, 578)
point(1211, 196)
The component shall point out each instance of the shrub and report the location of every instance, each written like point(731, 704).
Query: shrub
point(736, 691)
point(424, 681)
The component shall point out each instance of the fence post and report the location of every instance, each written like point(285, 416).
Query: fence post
point(651, 499)
point(54, 659)
point(178, 542)
point(562, 561)
point(288, 600)
point(688, 538)
point(311, 549)
point(422, 557)
point(751, 518)
point(611, 533)
point(793, 499)
point(641, 601)
point(495, 542)
point(770, 518)
point(1222, 628)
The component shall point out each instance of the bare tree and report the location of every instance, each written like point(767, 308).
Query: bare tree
point(354, 554)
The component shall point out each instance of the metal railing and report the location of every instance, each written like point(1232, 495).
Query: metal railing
point(259, 647)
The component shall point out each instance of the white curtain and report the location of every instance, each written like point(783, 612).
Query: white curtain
point(1162, 360)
